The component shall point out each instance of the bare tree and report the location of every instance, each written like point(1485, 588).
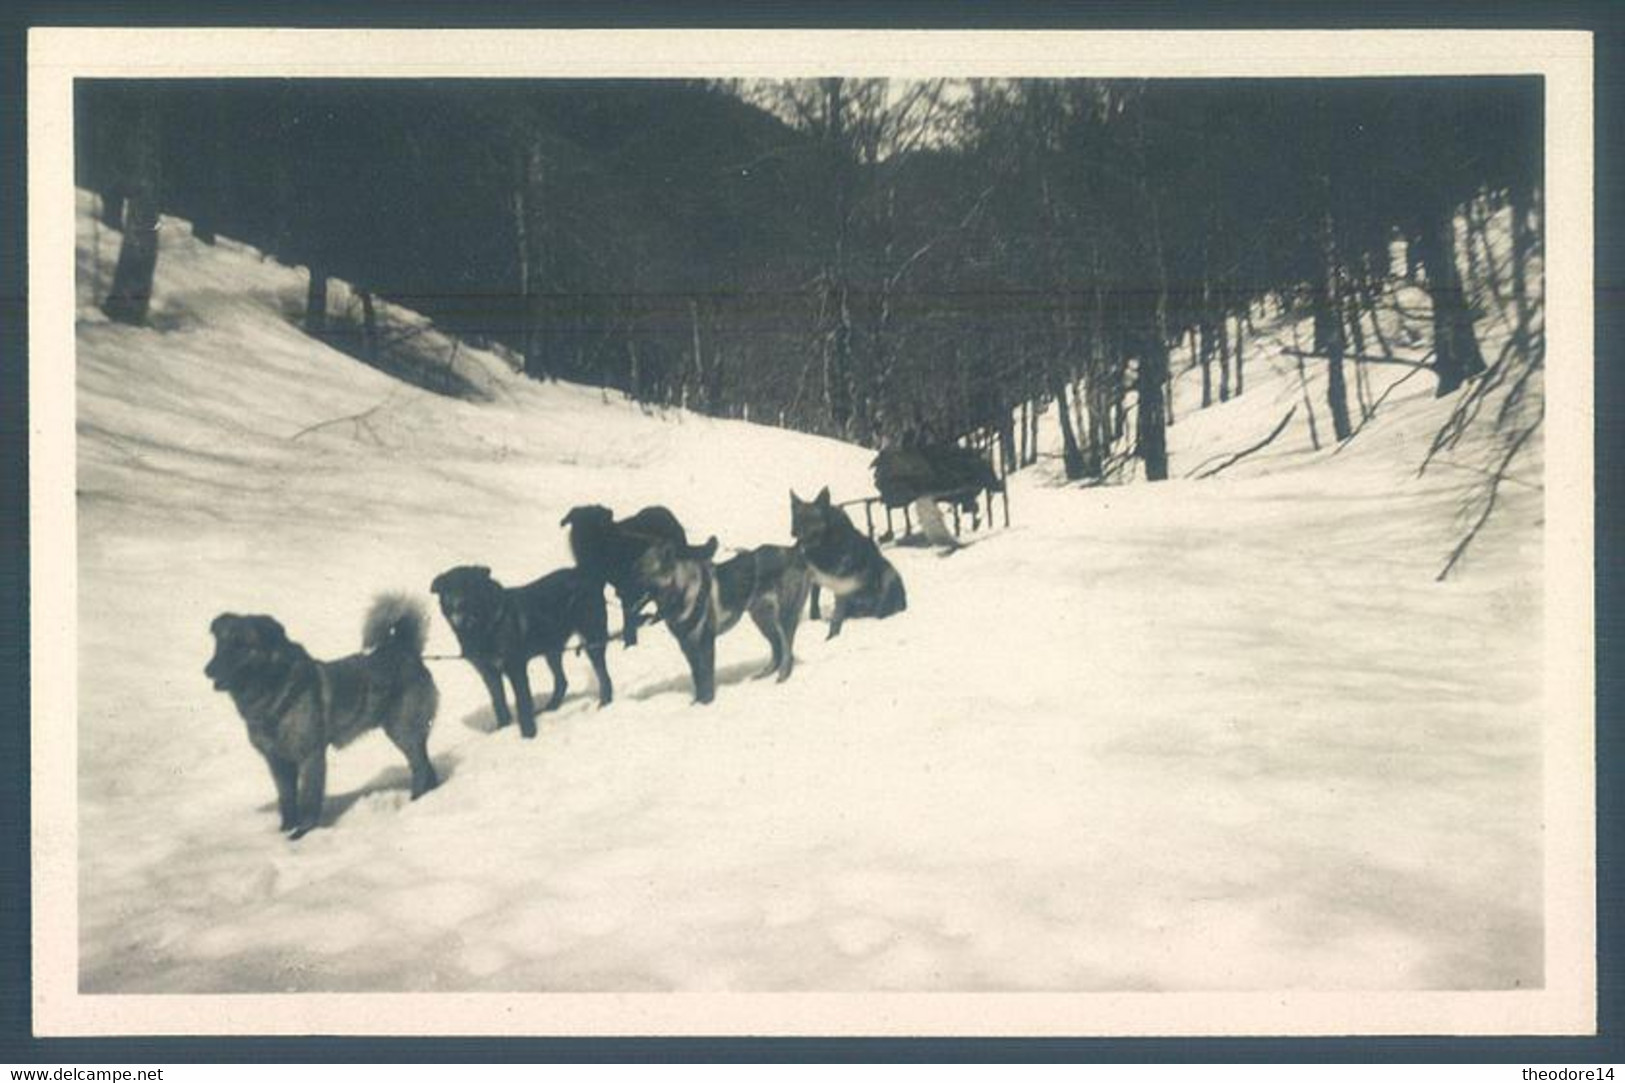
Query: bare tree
point(130, 295)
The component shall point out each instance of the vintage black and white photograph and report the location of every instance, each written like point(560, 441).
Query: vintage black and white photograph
point(821, 533)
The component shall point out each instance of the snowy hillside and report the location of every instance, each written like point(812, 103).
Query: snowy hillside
point(1223, 734)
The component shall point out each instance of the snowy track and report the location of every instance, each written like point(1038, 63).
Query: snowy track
point(1202, 735)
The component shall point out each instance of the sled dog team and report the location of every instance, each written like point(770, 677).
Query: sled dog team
point(296, 706)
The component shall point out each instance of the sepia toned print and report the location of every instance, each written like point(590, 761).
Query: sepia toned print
point(1184, 555)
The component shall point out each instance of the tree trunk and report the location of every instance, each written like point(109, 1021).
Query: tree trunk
point(1102, 432)
point(1325, 322)
point(1071, 454)
point(837, 370)
point(1356, 335)
point(1205, 355)
point(1522, 248)
point(1224, 357)
point(1456, 356)
point(316, 303)
point(1032, 438)
point(1303, 385)
point(130, 295)
point(837, 304)
point(715, 375)
point(1099, 425)
point(528, 204)
point(1102, 379)
point(1151, 434)
point(1007, 442)
point(1080, 417)
point(284, 193)
point(112, 208)
point(215, 198)
point(1243, 322)
point(369, 327)
point(1022, 450)
point(696, 368)
point(1329, 322)
point(1167, 389)
point(1153, 413)
point(634, 373)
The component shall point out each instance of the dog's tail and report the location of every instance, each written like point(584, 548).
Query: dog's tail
point(396, 619)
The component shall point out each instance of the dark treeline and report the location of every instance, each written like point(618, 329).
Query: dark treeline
point(884, 262)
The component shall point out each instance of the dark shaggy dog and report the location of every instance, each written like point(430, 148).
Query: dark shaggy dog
point(609, 551)
point(844, 562)
point(500, 629)
point(296, 706)
point(699, 601)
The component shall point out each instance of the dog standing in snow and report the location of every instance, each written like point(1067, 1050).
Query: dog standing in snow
point(699, 600)
point(296, 706)
point(844, 562)
point(609, 550)
point(500, 629)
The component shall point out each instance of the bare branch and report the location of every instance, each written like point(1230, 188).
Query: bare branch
point(1280, 427)
point(1489, 500)
point(359, 420)
point(1367, 358)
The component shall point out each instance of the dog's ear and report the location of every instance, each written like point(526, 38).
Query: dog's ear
point(571, 516)
point(271, 632)
point(823, 497)
point(260, 633)
point(219, 623)
point(439, 583)
point(709, 549)
point(479, 571)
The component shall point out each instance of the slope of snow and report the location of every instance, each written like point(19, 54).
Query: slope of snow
point(1225, 734)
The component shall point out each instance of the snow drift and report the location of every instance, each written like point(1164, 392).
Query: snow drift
point(1223, 734)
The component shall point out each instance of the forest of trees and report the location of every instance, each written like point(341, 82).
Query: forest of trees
point(886, 262)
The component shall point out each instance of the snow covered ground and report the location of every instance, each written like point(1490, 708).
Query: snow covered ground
point(1223, 734)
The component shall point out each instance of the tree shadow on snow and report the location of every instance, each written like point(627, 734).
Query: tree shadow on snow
point(738, 673)
point(389, 779)
point(484, 719)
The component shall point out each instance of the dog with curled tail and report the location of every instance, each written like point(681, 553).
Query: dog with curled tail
point(297, 707)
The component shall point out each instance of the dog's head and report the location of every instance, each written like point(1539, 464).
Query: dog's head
point(657, 565)
point(592, 529)
point(588, 517)
point(468, 596)
point(809, 519)
point(242, 646)
point(665, 565)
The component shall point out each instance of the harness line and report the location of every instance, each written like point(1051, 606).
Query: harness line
point(576, 648)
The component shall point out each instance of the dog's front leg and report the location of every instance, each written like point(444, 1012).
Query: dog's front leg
point(492, 676)
point(787, 644)
point(555, 664)
point(812, 607)
point(838, 618)
point(631, 613)
point(285, 774)
point(702, 664)
point(521, 694)
point(766, 621)
point(606, 689)
point(312, 791)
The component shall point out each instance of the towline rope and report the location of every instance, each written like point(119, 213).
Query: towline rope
point(575, 648)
